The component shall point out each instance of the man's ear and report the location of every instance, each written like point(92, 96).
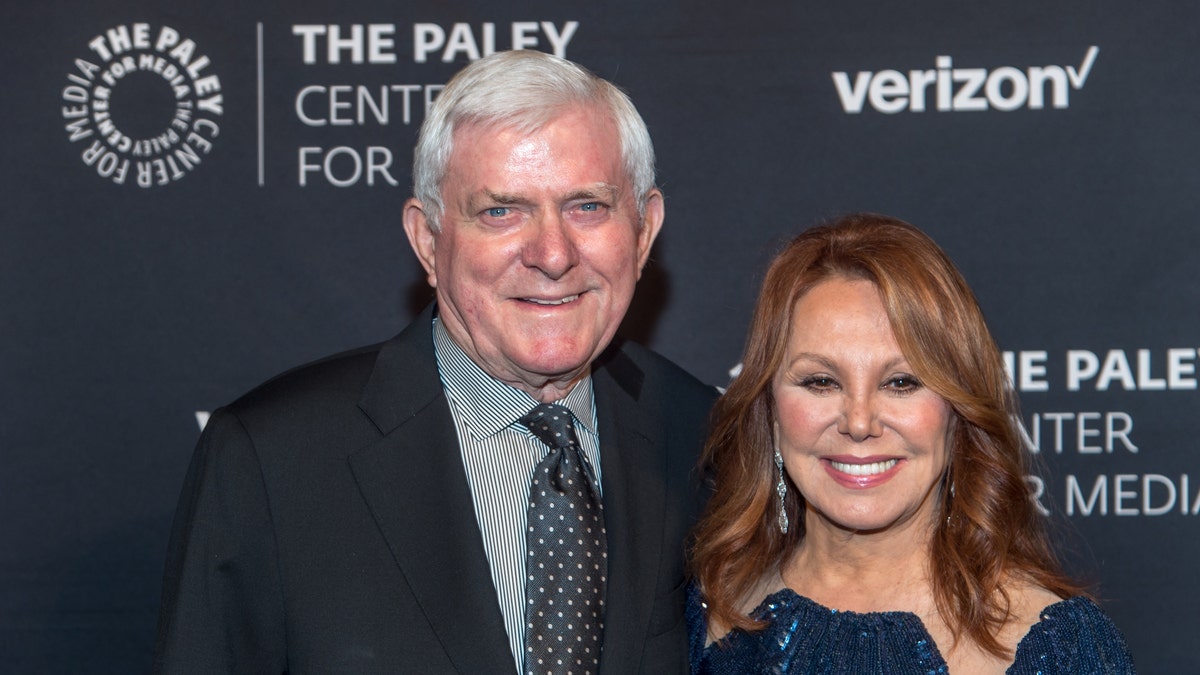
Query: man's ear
point(651, 224)
point(421, 237)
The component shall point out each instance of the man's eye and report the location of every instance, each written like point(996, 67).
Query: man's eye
point(498, 211)
point(590, 206)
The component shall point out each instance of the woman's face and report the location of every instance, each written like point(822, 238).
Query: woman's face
point(860, 436)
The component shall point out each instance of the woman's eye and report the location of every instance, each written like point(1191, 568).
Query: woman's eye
point(818, 383)
point(903, 383)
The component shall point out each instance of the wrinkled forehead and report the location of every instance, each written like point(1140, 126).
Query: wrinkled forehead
point(526, 120)
point(587, 137)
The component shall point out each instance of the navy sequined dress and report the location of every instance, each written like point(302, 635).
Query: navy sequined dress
point(803, 638)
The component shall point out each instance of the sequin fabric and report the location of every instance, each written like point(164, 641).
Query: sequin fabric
point(804, 638)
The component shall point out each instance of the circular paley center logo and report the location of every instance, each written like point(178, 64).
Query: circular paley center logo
point(143, 105)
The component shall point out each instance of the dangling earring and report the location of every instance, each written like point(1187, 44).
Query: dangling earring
point(950, 503)
point(780, 487)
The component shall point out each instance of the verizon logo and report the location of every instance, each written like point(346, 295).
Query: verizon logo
point(949, 89)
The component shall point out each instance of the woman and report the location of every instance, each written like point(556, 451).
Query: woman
point(870, 512)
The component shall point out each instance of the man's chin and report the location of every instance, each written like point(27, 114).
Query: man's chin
point(555, 367)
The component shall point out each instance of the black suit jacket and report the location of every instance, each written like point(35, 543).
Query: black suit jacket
point(326, 524)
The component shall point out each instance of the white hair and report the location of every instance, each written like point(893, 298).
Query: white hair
point(525, 90)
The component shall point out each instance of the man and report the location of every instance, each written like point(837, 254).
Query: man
point(379, 511)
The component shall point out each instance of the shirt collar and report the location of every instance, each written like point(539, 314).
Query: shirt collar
point(488, 405)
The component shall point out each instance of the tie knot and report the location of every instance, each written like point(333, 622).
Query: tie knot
point(553, 424)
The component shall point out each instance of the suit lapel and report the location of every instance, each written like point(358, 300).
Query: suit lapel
point(633, 465)
point(413, 482)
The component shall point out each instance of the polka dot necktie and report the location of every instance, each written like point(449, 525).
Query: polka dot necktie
point(567, 560)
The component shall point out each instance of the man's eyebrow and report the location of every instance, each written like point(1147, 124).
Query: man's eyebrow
point(502, 197)
point(487, 198)
point(599, 191)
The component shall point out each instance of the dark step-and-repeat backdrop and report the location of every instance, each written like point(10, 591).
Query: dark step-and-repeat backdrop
point(203, 193)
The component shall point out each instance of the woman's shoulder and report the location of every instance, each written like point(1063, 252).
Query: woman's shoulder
point(800, 632)
point(1073, 636)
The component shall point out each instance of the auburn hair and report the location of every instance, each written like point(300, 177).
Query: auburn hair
point(987, 532)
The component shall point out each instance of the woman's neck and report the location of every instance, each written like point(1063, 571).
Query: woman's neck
point(863, 571)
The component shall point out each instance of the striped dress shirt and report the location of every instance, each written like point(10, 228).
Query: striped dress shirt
point(499, 456)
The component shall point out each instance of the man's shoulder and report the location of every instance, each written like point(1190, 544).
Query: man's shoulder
point(348, 377)
point(655, 374)
point(342, 374)
point(653, 362)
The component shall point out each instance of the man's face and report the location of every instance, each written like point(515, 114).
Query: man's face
point(539, 249)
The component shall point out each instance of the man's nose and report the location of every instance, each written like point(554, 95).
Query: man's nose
point(551, 246)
